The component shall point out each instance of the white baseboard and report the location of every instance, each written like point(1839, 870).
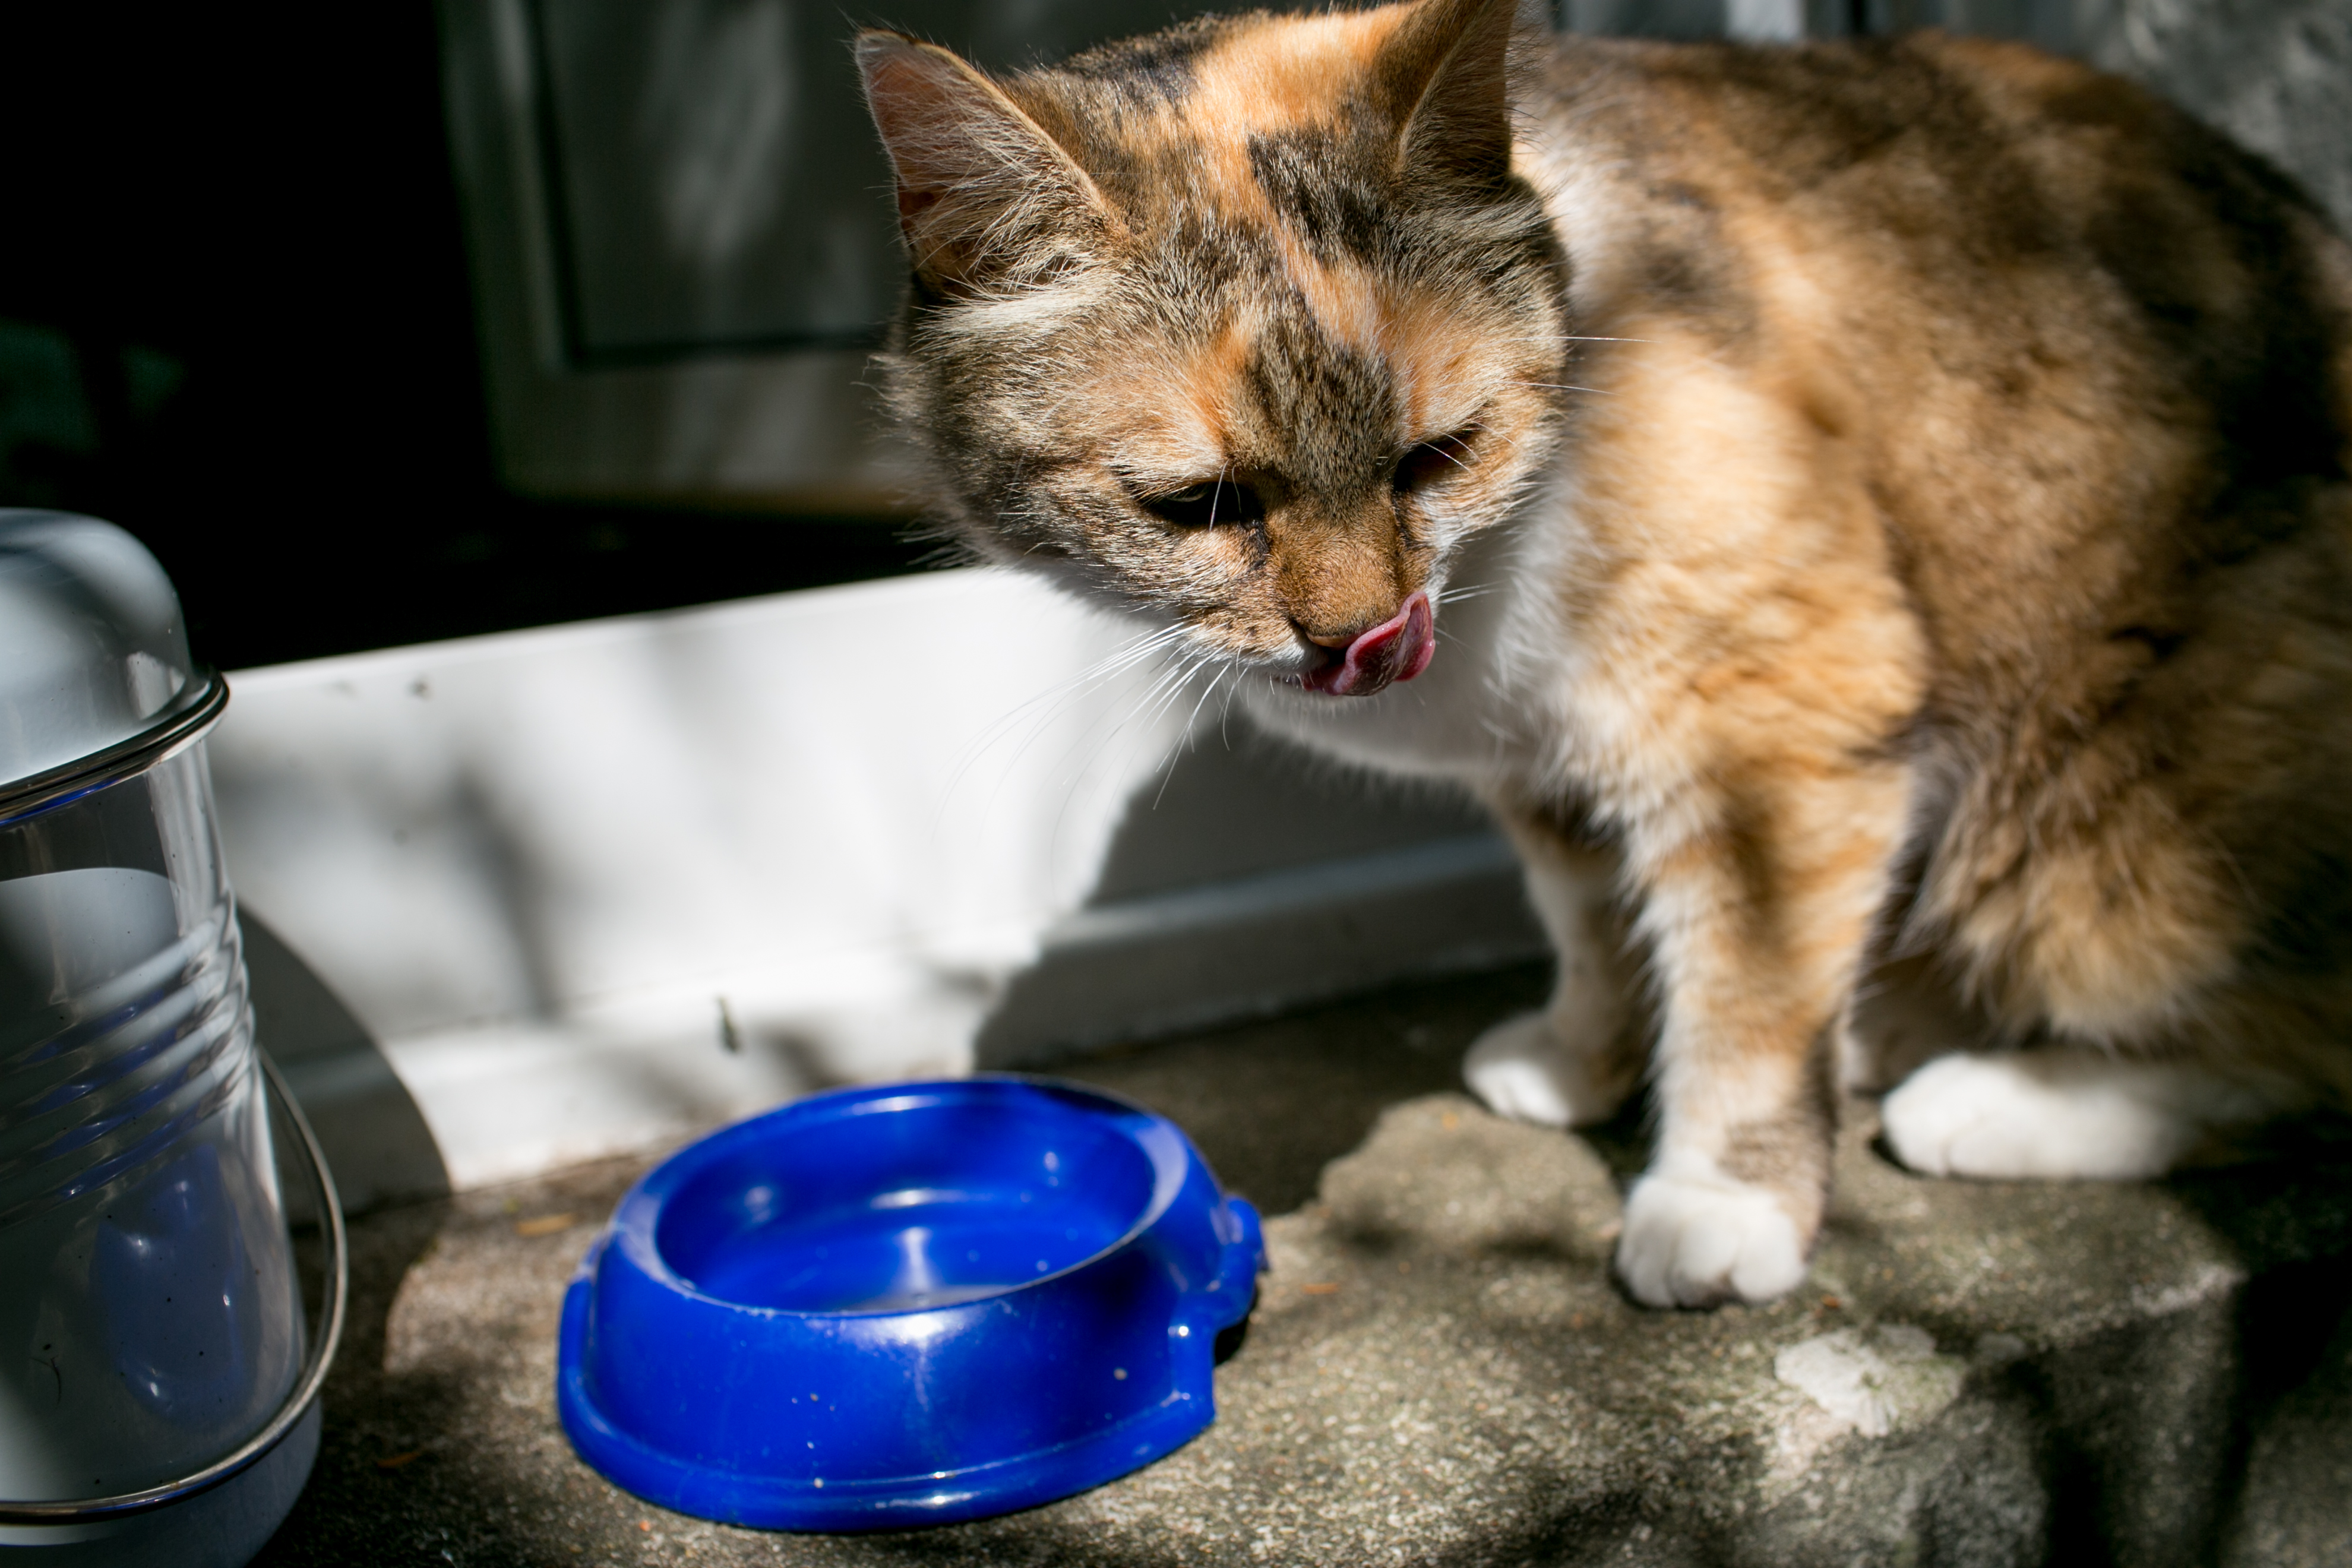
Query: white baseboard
point(510, 1099)
point(1204, 956)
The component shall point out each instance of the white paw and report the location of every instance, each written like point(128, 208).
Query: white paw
point(1518, 1068)
point(2047, 1114)
point(1696, 1237)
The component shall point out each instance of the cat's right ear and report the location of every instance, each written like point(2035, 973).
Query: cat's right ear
point(987, 200)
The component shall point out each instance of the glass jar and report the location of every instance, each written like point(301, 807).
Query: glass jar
point(152, 1345)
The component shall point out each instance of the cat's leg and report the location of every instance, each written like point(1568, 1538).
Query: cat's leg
point(1573, 1063)
point(2058, 1113)
point(1905, 1013)
point(1757, 915)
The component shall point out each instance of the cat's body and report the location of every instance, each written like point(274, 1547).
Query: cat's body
point(1884, 510)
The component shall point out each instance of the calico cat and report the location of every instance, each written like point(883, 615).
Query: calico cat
point(1868, 517)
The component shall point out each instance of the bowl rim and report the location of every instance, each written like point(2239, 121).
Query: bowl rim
point(637, 1217)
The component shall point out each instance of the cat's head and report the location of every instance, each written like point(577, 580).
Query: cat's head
point(1247, 324)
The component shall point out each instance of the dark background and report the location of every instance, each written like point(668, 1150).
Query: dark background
point(242, 220)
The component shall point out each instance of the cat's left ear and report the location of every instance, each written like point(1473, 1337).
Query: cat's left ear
point(1445, 74)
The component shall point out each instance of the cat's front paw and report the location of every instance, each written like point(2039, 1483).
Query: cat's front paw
point(1696, 1237)
point(2041, 1114)
point(1521, 1071)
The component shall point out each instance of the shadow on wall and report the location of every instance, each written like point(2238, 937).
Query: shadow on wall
point(2275, 74)
point(374, 1138)
point(1247, 878)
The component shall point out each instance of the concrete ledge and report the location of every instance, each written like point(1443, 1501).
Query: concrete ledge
point(1978, 1375)
point(1440, 1371)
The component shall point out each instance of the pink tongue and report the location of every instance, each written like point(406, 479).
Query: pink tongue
point(1397, 649)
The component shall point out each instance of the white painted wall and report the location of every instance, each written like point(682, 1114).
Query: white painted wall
point(845, 816)
point(536, 867)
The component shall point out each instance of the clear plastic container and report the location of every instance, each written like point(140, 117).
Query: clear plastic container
point(152, 1341)
point(137, 1184)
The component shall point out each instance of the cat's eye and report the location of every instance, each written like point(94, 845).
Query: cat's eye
point(1209, 501)
point(1433, 462)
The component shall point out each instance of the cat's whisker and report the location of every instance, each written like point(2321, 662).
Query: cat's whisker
point(1184, 737)
point(1215, 679)
point(1128, 658)
point(1038, 713)
point(1471, 590)
point(1176, 689)
point(1136, 722)
point(1162, 696)
point(1163, 691)
point(1505, 437)
point(1125, 658)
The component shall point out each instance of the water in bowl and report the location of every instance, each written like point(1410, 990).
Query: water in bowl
point(906, 1213)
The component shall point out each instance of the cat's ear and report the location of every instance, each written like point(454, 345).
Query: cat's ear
point(987, 200)
point(1445, 74)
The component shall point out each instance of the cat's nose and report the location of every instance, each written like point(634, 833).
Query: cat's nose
point(1371, 624)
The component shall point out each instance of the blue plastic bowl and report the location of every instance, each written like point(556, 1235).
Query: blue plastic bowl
point(905, 1305)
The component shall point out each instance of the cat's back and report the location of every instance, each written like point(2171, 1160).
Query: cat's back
point(2081, 347)
point(1953, 159)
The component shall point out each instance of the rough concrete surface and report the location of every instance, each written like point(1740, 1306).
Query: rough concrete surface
point(1440, 1371)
